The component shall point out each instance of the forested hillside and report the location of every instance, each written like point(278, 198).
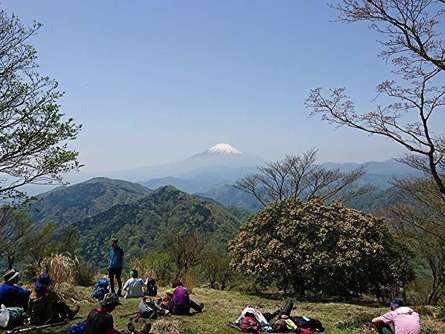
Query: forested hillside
point(148, 223)
point(67, 205)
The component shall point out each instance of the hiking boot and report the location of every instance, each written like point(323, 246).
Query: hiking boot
point(74, 312)
point(130, 327)
point(147, 328)
point(201, 307)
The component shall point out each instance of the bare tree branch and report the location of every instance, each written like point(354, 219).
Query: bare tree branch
point(299, 177)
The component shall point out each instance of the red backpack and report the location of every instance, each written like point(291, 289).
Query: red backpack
point(249, 324)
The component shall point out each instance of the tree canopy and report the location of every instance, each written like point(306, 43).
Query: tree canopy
point(34, 134)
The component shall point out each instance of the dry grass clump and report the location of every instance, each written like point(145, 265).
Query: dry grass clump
point(167, 326)
point(62, 268)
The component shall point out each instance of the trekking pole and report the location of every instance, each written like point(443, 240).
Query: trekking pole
point(129, 314)
point(33, 328)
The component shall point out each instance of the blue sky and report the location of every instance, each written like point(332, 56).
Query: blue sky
point(157, 81)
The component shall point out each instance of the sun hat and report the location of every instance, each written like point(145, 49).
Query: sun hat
point(10, 275)
point(43, 282)
point(397, 302)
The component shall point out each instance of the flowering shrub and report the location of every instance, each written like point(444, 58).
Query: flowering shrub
point(327, 250)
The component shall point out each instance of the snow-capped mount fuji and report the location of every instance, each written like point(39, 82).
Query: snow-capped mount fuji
point(222, 149)
point(222, 155)
point(218, 165)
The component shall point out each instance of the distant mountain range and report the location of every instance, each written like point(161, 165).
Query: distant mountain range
point(213, 173)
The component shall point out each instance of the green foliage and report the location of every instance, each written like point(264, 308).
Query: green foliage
point(185, 250)
point(85, 274)
point(215, 266)
point(312, 247)
point(33, 131)
point(15, 232)
point(155, 264)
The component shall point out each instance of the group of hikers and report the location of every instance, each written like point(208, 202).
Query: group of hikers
point(41, 306)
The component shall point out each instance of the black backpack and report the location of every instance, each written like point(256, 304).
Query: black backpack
point(148, 309)
point(152, 289)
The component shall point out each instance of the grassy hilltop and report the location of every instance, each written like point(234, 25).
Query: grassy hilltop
point(225, 306)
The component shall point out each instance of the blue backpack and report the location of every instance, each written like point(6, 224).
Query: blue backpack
point(78, 328)
point(101, 289)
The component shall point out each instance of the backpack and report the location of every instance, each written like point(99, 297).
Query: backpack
point(147, 309)
point(305, 331)
point(309, 323)
point(78, 328)
point(284, 325)
point(100, 289)
point(249, 324)
point(11, 317)
point(152, 289)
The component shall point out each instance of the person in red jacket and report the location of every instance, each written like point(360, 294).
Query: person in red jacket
point(100, 320)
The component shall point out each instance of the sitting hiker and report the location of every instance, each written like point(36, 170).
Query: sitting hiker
point(167, 301)
point(45, 306)
point(400, 320)
point(11, 294)
point(182, 302)
point(100, 289)
point(152, 289)
point(134, 287)
point(100, 320)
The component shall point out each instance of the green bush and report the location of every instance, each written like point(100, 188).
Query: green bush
point(85, 275)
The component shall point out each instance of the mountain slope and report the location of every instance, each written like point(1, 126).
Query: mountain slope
point(231, 196)
point(67, 205)
point(147, 223)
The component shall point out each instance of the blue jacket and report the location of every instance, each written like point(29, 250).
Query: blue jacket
point(116, 257)
point(12, 295)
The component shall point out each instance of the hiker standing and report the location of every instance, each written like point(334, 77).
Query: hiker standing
point(400, 320)
point(116, 261)
point(11, 294)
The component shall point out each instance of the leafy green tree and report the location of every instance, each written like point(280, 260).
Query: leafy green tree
point(185, 250)
point(155, 264)
point(33, 132)
point(15, 231)
point(419, 222)
point(321, 249)
point(215, 264)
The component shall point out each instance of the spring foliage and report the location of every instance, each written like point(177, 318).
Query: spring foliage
point(321, 249)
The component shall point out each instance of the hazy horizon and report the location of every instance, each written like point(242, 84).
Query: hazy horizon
point(156, 82)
